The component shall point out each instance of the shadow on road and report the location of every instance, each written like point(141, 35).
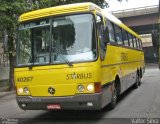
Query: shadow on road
point(76, 117)
point(68, 117)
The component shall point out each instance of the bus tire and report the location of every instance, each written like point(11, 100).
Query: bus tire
point(139, 77)
point(114, 97)
point(137, 81)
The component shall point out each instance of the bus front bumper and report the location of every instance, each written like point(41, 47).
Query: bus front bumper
point(77, 102)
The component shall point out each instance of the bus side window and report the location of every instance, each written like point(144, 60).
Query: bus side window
point(130, 40)
point(137, 43)
point(125, 38)
point(111, 32)
point(118, 35)
point(140, 44)
point(134, 41)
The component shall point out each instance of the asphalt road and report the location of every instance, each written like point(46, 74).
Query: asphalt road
point(140, 105)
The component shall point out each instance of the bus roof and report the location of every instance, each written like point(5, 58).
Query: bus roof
point(69, 8)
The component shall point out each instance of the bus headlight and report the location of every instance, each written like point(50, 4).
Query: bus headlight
point(90, 87)
point(26, 90)
point(80, 88)
point(20, 90)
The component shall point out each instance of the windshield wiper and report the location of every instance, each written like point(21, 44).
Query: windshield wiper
point(64, 58)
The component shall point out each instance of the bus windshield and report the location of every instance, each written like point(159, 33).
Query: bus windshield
point(55, 40)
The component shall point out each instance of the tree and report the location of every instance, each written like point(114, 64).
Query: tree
point(37, 4)
point(9, 12)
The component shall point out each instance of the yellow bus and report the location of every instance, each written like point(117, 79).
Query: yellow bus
point(75, 57)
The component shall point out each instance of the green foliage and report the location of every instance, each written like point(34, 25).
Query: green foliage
point(101, 3)
point(37, 4)
point(9, 11)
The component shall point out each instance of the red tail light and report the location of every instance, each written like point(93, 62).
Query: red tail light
point(97, 87)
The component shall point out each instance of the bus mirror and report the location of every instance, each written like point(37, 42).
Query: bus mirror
point(6, 48)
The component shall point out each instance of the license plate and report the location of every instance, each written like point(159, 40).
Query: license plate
point(53, 106)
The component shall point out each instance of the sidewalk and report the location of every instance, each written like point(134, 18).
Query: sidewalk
point(3, 94)
point(4, 78)
point(3, 85)
point(152, 65)
point(4, 89)
point(4, 73)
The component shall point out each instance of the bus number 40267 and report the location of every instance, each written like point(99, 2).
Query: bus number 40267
point(24, 79)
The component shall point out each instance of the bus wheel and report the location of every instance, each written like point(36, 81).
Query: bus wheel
point(113, 102)
point(137, 82)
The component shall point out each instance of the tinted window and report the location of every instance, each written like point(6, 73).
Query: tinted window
point(111, 32)
point(118, 35)
point(140, 44)
point(125, 38)
point(106, 32)
point(135, 42)
point(130, 40)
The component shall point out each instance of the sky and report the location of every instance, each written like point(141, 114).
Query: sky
point(114, 5)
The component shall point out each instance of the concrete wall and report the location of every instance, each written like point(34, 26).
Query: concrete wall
point(150, 54)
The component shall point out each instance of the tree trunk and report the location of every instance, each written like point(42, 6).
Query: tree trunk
point(11, 72)
point(11, 63)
